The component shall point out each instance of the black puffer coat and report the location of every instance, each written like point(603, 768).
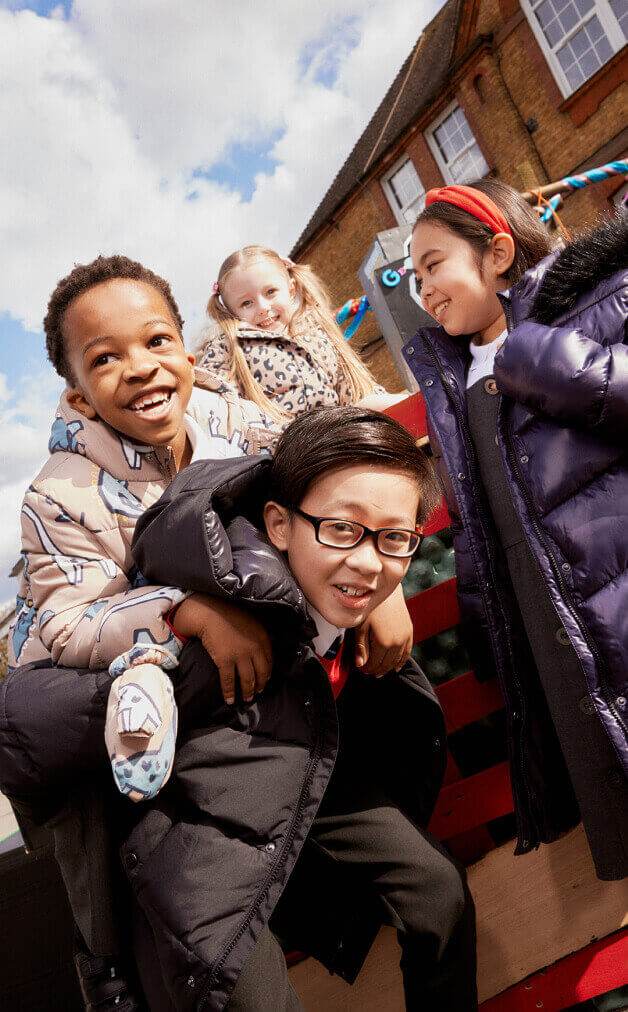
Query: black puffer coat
point(210, 857)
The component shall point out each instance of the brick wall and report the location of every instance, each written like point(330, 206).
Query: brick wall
point(499, 91)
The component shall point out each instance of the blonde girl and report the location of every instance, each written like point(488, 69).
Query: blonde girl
point(274, 336)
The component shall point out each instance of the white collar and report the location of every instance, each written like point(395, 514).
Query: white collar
point(203, 448)
point(326, 633)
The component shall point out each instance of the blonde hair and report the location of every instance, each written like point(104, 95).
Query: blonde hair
point(314, 302)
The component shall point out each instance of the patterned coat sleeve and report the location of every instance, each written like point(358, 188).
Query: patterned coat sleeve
point(213, 353)
point(343, 386)
point(87, 611)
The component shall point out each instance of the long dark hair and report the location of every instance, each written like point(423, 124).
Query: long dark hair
point(532, 241)
point(327, 439)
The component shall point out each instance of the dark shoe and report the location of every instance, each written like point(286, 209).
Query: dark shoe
point(103, 985)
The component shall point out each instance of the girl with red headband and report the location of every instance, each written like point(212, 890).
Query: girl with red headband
point(525, 379)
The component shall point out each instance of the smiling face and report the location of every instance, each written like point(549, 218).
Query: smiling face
point(128, 362)
point(345, 586)
point(260, 294)
point(457, 289)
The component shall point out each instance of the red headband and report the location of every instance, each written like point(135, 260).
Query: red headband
point(473, 202)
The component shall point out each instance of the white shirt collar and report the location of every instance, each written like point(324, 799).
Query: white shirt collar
point(326, 633)
point(203, 448)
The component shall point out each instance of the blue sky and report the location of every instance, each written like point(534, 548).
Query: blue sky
point(42, 7)
point(174, 136)
point(21, 350)
point(238, 168)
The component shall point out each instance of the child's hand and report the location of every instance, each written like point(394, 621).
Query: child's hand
point(383, 643)
point(235, 641)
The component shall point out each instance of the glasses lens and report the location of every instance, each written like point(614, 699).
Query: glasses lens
point(394, 542)
point(339, 533)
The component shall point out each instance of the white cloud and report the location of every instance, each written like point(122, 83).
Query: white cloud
point(106, 114)
point(25, 418)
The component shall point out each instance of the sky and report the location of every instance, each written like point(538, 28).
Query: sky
point(173, 133)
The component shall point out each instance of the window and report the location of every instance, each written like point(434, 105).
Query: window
point(404, 191)
point(455, 148)
point(577, 36)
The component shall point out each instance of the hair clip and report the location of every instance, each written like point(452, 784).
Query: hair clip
point(288, 263)
point(215, 288)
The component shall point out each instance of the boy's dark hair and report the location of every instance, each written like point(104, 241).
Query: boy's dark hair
point(326, 439)
point(532, 241)
point(84, 277)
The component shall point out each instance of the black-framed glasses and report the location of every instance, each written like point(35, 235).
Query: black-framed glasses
point(336, 533)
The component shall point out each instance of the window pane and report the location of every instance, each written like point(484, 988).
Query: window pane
point(469, 166)
point(603, 50)
point(587, 50)
point(620, 10)
point(544, 13)
point(459, 148)
point(579, 44)
point(593, 28)
point(588, 64)
point(568, 18)
point(407, 190)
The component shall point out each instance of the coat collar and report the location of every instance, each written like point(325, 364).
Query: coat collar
point(108, 449)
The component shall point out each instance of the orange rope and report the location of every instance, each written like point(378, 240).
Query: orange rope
point(541, 203)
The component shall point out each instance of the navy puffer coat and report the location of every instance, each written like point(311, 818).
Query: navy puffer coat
point(563, 435)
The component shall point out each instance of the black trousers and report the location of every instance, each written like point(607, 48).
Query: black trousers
point(421, 893)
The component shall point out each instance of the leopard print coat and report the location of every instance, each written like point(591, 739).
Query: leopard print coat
point(297, 372)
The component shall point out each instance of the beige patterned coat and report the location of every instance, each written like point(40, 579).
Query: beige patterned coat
point(82, 601)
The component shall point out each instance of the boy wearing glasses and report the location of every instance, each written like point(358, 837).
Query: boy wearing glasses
point(302, 812)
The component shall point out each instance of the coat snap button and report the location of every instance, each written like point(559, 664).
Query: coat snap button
point(409, 351)
point(436, 742)
point(490, 386)
point(270, 847)
point(565, 567)
point(429, 383)
point(621, 702)
point(461, 476)
point(524, 459)
point(563, 637)
point(587, 705)
point(131, 860)
point(191, 981)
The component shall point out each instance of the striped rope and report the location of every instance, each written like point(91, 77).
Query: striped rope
point(356, 308)
point(619, 168)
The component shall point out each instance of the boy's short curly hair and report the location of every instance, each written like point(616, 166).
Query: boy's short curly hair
point(84, 277)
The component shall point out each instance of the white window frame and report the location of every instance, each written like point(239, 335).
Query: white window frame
point(609, 23)
point(390, 194)
point(433, 143)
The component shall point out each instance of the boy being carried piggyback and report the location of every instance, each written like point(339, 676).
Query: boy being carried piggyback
point(134, 413)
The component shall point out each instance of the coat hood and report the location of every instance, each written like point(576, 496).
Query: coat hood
point(122, 457)
point(581, 269)
point(219, 505)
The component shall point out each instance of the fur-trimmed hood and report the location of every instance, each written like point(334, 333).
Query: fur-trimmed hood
point(580, 268)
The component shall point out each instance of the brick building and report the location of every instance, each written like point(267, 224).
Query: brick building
point(527, 90)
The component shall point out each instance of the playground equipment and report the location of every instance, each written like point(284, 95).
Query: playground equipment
point(388, 263)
